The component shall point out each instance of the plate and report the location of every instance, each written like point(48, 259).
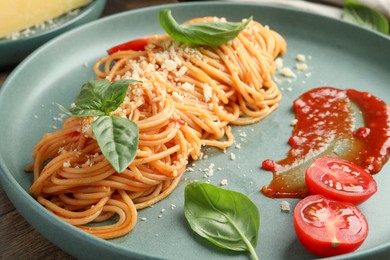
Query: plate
point(338, 54)
point(13, 51)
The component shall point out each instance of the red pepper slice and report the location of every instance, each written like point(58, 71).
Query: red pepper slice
point(135, 45)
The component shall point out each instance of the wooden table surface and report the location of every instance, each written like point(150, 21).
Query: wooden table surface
point(18, 239)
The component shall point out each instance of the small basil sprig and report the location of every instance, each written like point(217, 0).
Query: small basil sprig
point(365, 16)
point(226, 218)
point(202, 33)
point(117, 137)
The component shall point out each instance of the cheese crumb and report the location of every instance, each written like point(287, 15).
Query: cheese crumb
point(61, 150)
point(182, 70)
point(188, 86)
point(207, 92)
point(287, 72)
point(224, 182)
point(232, 156)
point(285, 206)
point(209, 171)
point(66, 164)
point(143, 219)
point(279, 63)
point(294, 122)
point(301, 58)
point(177, 97)
point(301, 67)
point(170, 65)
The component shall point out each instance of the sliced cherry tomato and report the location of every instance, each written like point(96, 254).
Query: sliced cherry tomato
point(327, 227)
point(135, 45)
point(340, 180)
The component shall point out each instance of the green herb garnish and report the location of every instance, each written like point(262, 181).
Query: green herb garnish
point(226, 218)
point(117, 137)
point(202, 33)
point(365, 16)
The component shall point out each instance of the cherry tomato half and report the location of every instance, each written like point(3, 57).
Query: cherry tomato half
point(327, 227)
point(135, 45)
point(340, 180)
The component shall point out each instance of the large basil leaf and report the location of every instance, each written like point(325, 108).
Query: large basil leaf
point(365, 16)
point(226, 218)
point(117, 138)
point(203, 33)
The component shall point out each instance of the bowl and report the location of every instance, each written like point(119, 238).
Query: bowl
point(12, 51)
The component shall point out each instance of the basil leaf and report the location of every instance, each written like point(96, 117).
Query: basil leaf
point(80, 111)
point(203, 33)
point(63, 109)
point(114, 96)
point(117, 138)
point(365, 16)
point(226, 218)
point(100, 97)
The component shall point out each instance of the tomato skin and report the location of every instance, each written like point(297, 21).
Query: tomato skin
point(135, 45)
point(340, 180)
point(327, 227)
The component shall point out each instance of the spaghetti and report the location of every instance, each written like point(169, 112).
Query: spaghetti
point(186, 98)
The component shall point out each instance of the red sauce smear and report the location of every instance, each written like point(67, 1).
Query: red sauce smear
point(326, 126)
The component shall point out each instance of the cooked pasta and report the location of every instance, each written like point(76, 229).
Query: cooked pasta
point(186, 98)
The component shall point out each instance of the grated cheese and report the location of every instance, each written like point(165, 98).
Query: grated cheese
point(224, 182)
point(285, 206)
point(66, 164)
point(207, 92)
point(287, 72)
point(188, 86)
point(301, 58)
point(301, 67)
point(294, 122)
point(279, 63)
point(170, 65)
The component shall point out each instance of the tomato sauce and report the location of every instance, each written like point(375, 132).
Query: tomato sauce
point(326, 122)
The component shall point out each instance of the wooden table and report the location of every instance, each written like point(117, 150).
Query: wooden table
point(18, 239)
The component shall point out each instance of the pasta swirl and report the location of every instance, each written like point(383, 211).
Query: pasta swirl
point(186, 98)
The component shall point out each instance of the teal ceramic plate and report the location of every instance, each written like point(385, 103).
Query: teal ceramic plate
point(337, 54)
point(13, 51)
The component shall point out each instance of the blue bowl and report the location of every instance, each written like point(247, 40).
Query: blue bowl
point(13, 51)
